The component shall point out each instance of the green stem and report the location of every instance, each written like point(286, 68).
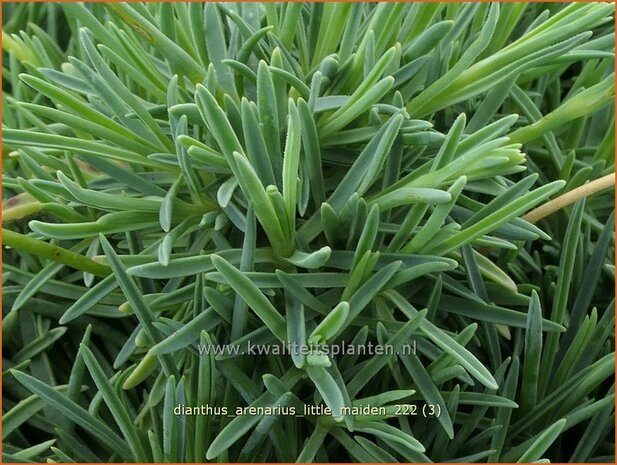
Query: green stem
point(21, 211)
point(584, 103)
point(53, 252)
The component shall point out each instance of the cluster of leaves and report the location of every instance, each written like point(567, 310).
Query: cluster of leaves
point(180, 175)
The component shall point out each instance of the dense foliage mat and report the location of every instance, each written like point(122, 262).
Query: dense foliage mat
point(180, 177)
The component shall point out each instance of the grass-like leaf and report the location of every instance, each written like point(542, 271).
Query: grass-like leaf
point(310, 232)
